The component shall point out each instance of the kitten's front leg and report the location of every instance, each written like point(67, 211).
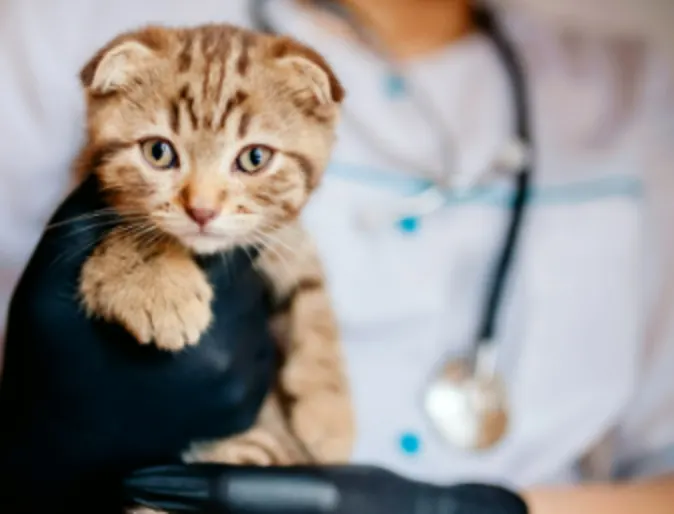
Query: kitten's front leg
point(313, 376)
point(157, 292)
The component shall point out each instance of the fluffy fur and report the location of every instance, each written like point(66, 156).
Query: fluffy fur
point(173, 116)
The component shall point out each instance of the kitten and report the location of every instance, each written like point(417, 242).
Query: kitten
point(210, 138)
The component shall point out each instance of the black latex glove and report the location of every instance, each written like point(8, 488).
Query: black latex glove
point(218, 489)
point(82, 403)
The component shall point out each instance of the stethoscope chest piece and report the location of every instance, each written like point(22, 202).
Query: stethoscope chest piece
point(468, 406)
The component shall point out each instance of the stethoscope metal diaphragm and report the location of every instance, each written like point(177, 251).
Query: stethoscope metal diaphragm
point(467, 402)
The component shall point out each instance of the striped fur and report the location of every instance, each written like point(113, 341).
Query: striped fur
point(211, 91)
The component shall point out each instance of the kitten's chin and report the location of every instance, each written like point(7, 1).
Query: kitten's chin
point(204, 244)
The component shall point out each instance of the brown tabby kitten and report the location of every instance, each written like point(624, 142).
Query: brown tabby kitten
point(208, 138)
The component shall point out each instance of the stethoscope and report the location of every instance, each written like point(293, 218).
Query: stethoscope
point(466, 400)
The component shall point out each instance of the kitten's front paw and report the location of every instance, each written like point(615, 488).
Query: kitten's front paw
point(174, 315)
point(166, 300)
point(324, 422)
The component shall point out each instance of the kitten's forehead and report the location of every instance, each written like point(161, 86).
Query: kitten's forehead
point(199, 49)
point(208, 72)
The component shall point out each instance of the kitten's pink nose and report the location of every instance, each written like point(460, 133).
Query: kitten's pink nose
point(201, 216)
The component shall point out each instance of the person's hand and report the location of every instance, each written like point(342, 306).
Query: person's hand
point(308, 490)
point(82, 403)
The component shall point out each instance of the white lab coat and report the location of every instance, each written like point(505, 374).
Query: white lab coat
point(586, 335)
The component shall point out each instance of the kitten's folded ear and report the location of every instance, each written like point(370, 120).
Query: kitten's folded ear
point(311, 67)
point(117, 64)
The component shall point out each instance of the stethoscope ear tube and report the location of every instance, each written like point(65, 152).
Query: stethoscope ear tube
point(504, 262)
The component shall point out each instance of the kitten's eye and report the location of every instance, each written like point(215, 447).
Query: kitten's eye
point(254, 158)
point(159, 153)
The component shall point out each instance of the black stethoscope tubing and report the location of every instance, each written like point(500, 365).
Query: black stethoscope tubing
point(514, 69)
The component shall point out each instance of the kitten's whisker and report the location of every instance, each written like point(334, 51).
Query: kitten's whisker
point(65, 255)
point(132, 224)
point(264, 240)
point(273, 228)
point(81, 217)
point(95, 217)
point(244, 247)
point(138, 231)
point(110, 187)
point(133, 230)
point(275, 240)
point(278, 246)
point(238, 217)
point(286, 267)
point(90, 227)
point(151, 238)
point(97, 224)
point(228, 270)
point(147, 236)
point(124, 214)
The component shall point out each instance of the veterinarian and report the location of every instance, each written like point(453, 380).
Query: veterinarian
point(508, 199)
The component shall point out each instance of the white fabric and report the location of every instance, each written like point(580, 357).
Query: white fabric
point(587, 342)
point(650, 19)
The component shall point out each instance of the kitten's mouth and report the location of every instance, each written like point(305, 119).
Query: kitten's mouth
point(202, 234)
point(205, 242)
point(205, 239)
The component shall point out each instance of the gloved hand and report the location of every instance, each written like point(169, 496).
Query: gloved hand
point(82, 403)
point(216, 489)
